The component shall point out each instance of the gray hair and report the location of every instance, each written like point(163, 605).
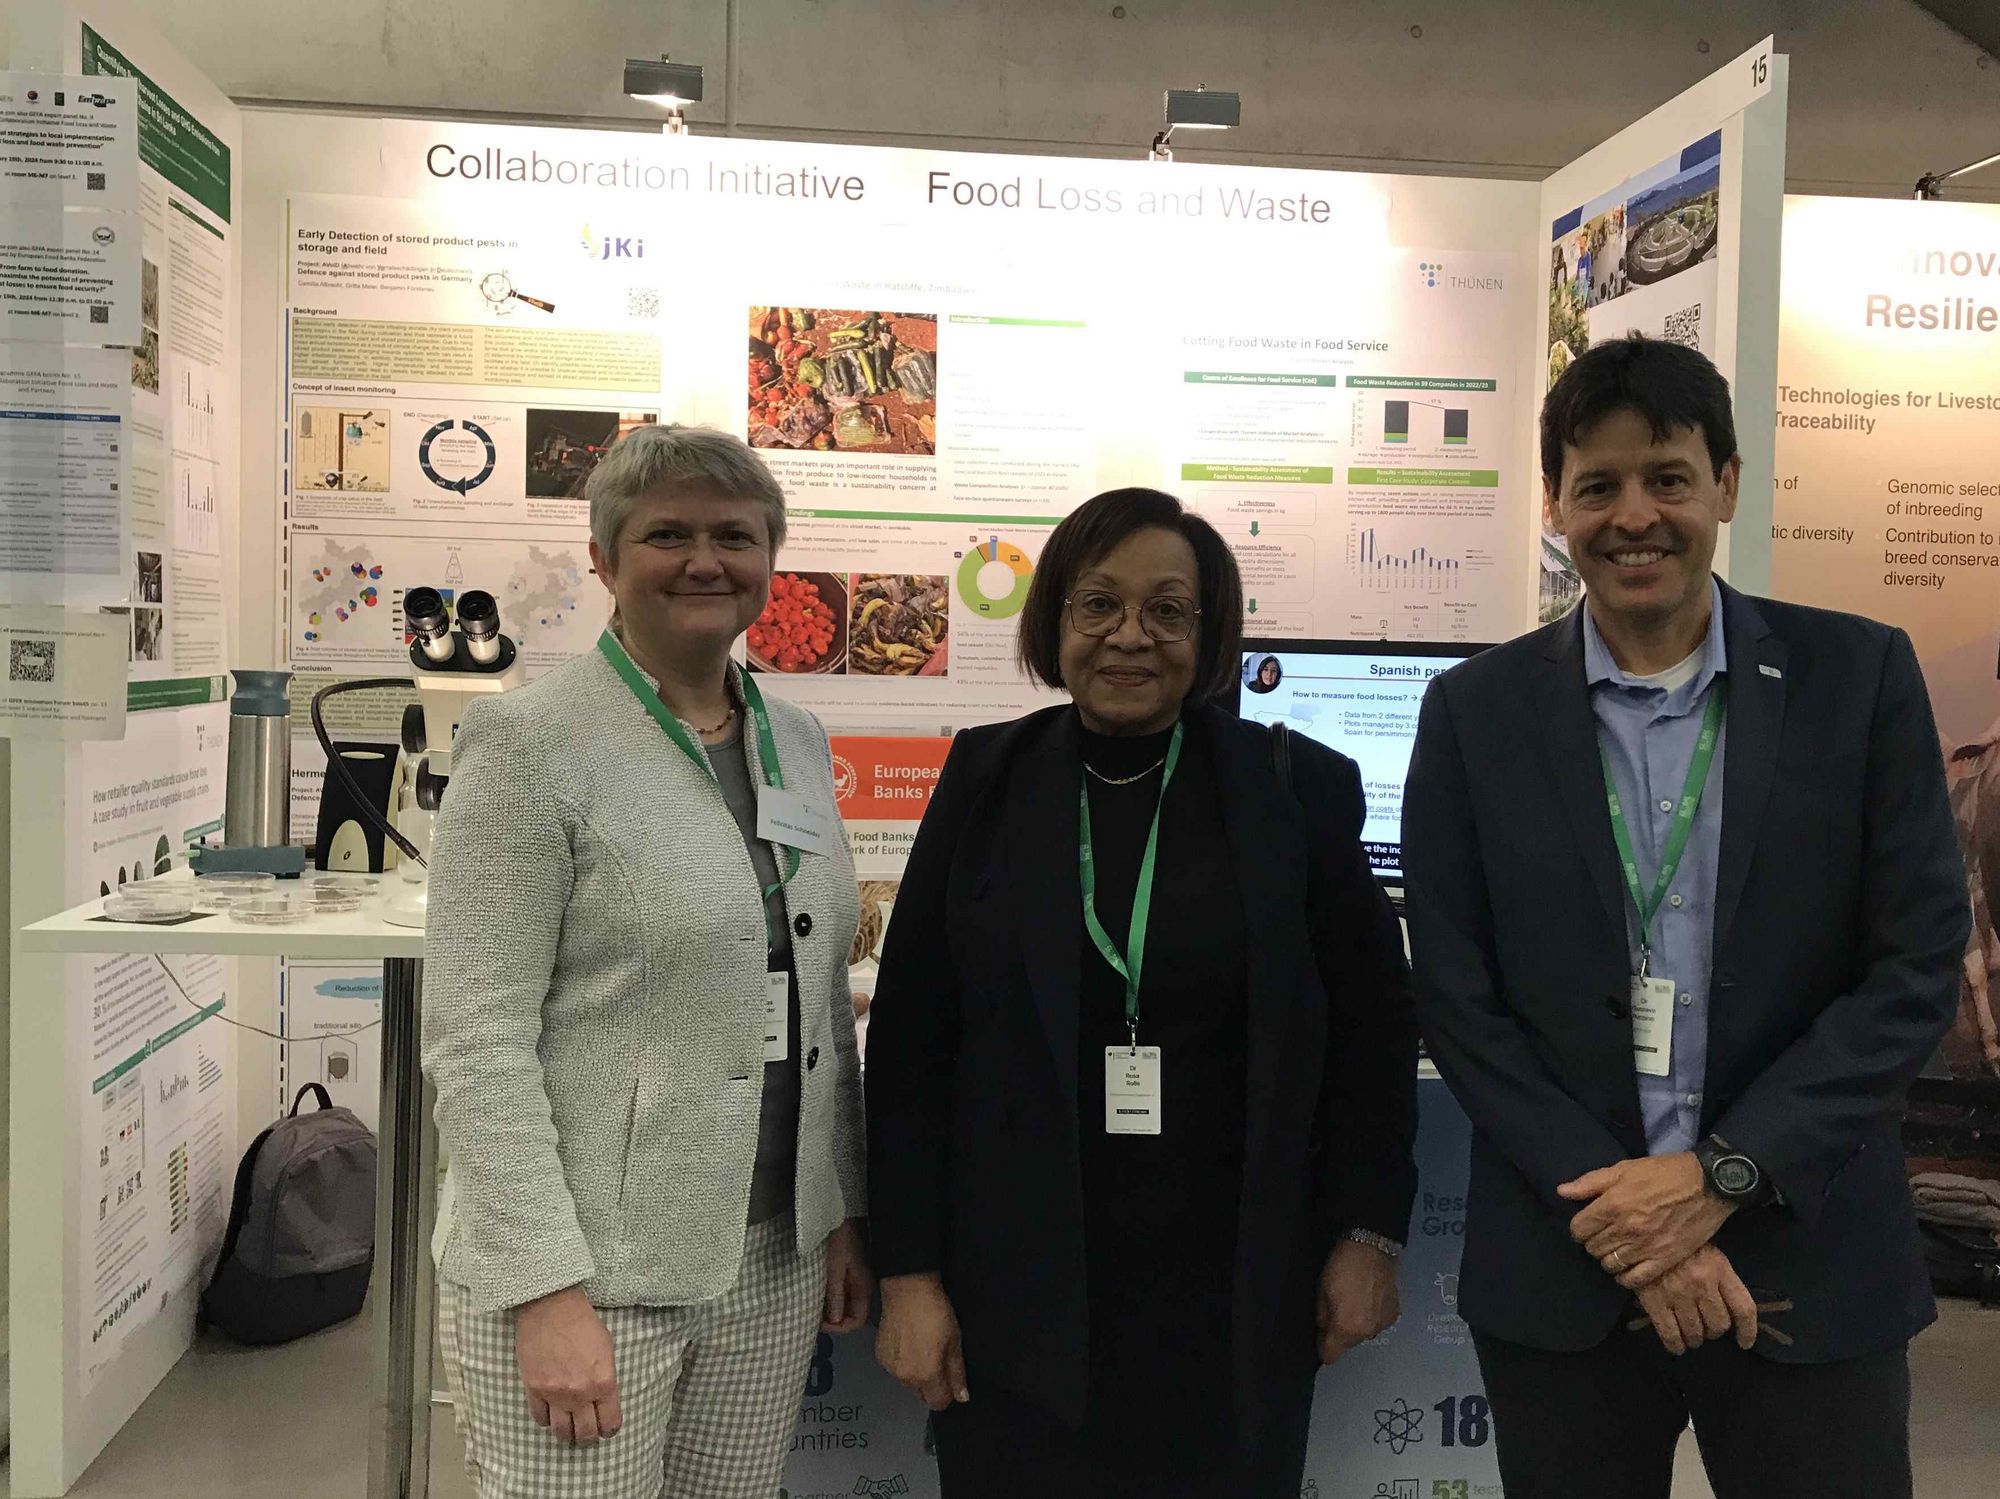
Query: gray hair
point(670, 456)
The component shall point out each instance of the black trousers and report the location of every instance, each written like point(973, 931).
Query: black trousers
point(999, 1446)
point(1607, 1421)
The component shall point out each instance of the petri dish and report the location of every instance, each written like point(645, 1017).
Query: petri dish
point(334, 879)
point(270, 910)
point(218, 892)
point(332, 899)
point(153, 905)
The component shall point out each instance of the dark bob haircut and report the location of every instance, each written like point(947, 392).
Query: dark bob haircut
point(1089, 534)
point(1672, 387)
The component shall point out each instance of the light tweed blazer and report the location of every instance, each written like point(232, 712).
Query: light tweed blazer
point(593, 1004)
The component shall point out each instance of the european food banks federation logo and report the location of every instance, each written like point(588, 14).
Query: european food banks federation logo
point(612, 247)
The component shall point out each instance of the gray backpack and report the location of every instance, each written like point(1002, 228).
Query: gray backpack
point(301, 1237)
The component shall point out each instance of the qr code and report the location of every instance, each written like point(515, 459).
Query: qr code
point(93, 182)
point(31, 660)
point(642, 301)
point(100, 313)
point(1684, 327)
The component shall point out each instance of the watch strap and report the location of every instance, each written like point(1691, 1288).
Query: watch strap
point(1381, 1243)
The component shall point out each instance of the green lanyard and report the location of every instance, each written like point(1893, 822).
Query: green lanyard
point(753, 701)
point(1128, 963)
point(1677, 837)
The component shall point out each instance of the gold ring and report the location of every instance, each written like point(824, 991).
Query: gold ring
point(1618, 1261)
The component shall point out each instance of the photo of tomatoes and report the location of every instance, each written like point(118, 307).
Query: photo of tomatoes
point(803, 628)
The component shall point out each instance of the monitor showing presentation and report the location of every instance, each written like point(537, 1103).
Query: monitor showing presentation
point(1358, 697)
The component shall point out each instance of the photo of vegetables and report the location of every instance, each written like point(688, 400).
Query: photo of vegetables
point(898, 625)
point(803, 628)
point(828, 380)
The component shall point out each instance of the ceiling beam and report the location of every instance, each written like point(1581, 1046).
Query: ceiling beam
point(1978, 21)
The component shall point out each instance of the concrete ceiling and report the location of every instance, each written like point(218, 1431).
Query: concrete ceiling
point(1978, 21)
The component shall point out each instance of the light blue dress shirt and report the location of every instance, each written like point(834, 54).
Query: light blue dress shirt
point(1648, 733)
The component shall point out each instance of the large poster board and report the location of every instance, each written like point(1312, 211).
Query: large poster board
point(974, 345)
point(1888, 491)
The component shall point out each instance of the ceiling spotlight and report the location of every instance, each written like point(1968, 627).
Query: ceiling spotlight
point(671, 85)
point(1197, 109)
point(1930, 185)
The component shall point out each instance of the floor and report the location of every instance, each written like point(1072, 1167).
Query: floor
point(299, 1411)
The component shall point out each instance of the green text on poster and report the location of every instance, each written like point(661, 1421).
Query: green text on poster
point(171, 141)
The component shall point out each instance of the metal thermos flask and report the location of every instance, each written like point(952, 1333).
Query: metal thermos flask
point(257, 799)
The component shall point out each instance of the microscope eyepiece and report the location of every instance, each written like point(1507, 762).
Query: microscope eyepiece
point(479, 622)
point(425, 617)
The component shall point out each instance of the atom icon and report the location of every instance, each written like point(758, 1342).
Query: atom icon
point(1399, 1427)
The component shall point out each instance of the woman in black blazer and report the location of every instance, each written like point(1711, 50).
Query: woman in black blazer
point(1116, 1218)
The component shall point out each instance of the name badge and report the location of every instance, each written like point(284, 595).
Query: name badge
point(777, 1016)
point(791, 819)
point(1131, 1090)
point(1653, 1026)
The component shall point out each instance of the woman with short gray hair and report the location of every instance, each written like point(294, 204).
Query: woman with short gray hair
point(637, 1017)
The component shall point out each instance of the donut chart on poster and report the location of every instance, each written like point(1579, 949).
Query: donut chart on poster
point(993, 579)
point(460, 463)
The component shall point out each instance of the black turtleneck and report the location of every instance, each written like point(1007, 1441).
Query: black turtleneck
point(1160, 1211)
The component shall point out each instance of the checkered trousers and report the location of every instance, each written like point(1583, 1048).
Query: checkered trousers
point(709, 1393)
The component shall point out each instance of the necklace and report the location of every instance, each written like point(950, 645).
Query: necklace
point(1124, 780)
point(726, 718)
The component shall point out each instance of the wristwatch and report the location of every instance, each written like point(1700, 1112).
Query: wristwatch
point(1730, 1174)
point(1381, 1243)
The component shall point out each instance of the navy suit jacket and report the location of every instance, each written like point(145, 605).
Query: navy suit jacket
point(1841, 914)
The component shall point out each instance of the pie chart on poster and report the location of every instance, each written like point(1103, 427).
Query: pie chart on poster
point(993, 579)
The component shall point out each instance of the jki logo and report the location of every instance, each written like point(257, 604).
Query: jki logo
point(613, 247)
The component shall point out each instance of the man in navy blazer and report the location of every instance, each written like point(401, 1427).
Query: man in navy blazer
point(1686, 910)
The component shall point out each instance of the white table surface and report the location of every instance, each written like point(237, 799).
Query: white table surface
point(359, 934)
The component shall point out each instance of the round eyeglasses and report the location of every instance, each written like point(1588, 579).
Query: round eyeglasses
point(1098, 614)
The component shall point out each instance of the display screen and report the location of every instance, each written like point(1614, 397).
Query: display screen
point(1360, 698)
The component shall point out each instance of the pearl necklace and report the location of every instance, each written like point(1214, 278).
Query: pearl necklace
point(1124, 780)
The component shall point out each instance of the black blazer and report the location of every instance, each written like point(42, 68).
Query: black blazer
point(973, 1037)
point(1841, 915)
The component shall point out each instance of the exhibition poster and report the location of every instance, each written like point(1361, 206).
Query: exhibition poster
point(1646, 235)
point(975, 345)
point(180, 360)
point(1888, 492)
point(158, 1144)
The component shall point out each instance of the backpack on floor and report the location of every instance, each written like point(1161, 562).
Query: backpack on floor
point(301, 1238)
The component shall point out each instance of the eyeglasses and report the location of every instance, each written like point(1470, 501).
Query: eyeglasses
point(1098, 614)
